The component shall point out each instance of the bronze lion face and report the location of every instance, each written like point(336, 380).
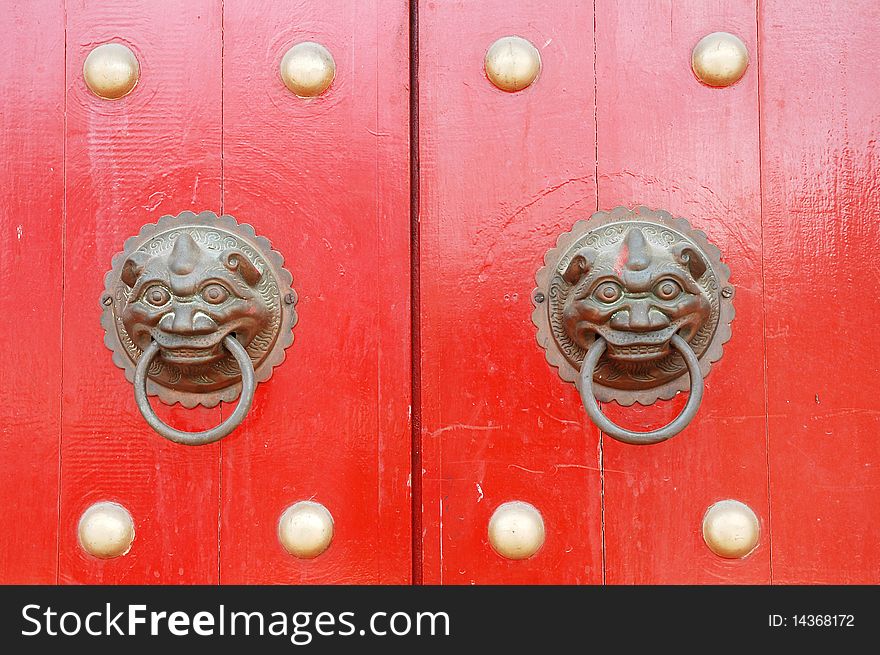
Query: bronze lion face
point(634, 278)
point(635, 295)
point(189, 299)
point(187, 282)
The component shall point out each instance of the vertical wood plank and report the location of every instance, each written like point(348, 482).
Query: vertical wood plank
point(31, 220)
point(154, 152)
point(669, 142)
point(820, 92)
point(394, 313)
point(502, 174)
point(327, 181)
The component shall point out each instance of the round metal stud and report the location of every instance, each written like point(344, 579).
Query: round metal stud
point(516, 530)
point(731, 529)
point(308, 69)
point(305, 529)
point(720, 59)
point(512, 63)
point(111, 71)
point(106, 530)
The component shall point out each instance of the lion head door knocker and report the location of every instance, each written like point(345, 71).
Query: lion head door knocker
point(634, 306)
point(197, 310)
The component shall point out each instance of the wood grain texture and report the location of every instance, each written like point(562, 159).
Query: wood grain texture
point(669, 142)
point(820, 92)
point(154, 152)
point(501, 176)
point(31, 220)
point(327, 180)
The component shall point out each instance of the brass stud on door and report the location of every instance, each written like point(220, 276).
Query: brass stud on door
point(305, 529)
point(308, 69)
point(512, 63)
point(731, 529)
point(111, 71)
point(516, 530)
point(106, 530)
point(720, 59)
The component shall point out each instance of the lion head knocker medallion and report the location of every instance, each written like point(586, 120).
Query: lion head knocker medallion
point(197, 310)
point(634, 306)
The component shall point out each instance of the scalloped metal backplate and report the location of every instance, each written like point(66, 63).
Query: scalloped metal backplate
point(610, 383)
point(215, 233)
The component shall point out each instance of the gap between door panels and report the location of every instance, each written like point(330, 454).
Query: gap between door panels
point(765, 373)
point(601, 443)
point(222, 212)
point(415, 298)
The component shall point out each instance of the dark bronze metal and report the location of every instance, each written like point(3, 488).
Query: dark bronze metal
point(633, 279)
point(181, 289)
point(585, 387)
point(206, 436)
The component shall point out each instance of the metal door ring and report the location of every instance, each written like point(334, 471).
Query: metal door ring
point(248, 386)
point(585, 387)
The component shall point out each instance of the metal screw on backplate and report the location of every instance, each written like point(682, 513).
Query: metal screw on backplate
point(107, 300)
point(539, 297)
point(290, 298)
point(727, 292)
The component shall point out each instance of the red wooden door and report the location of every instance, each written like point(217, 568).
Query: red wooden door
point(209, 126)
point(778, 169)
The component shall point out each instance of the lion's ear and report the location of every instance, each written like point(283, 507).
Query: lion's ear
point(580, 265)
point(236, 261)
point(133, 267)
point(688, 256)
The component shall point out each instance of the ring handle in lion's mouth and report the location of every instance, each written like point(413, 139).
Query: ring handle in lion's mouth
point(633, 306)
point(198, 309)
point(607, 426)
point(248, 386)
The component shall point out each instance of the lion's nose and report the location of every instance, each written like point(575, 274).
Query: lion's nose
point(640, 317)
point(185, 319)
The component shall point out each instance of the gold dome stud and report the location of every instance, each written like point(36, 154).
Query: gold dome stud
point(512, 63)
point(106, 530)
point(731, 529)
point(111, 71)
point(516, 530)
point(308, 69)
point(720, 59)
point(305, 529)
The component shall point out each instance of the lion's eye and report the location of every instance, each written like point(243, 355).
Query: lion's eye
point(215, 294)
point(667, 289)
point(156, 295)
point(608, 292)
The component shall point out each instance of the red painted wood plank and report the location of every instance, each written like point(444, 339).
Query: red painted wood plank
point(668, 142)
point(501, 176)
point(394, 313)
point(31, 220)
point(154, 152)
point(327, 181)
point(820, 92)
